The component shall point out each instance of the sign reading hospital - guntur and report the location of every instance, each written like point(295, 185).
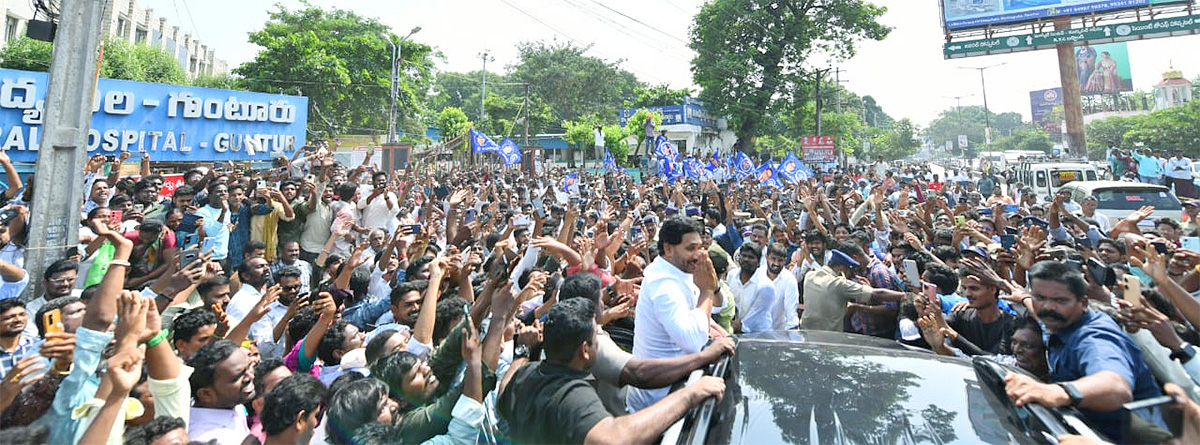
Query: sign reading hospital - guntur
point(171, 122)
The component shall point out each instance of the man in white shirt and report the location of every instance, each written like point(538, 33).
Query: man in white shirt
point(1179, 173)
point(380, 207)
point(253, 273)
point(755, 298)
point(674, 306)
point(222, 381)
point(787, 292)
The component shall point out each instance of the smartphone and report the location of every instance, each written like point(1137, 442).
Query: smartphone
point(1160, 247)
point(636, 233)
point(960, 220)
point(188, 223)
point(209, 244)
point(139, 207)
point(110, 159)
point(190, 239)
point(1148, 403)
point(1133, 290)
point(912, 274)
point(1083, 241)
point(52, 321)
point(115, 216)
point(1011, 208)
point(1074, 264)
point(500, 269)
point(1007, 241)
point(467, 314)
point(930, 292)
point(1012, 230)
point(188, 257)
point(261, 185)
point(541, 212)
point(414, 229)
point(1190, 242)
point(1097, 270)
point(8, 215)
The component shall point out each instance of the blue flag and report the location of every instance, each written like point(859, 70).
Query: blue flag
point(610, 162)
point(805, 172)
point(789, 168)
point(664, 149)
point(480, 143)
point(768, 176)
point(570, 181)
point(692, 168)
point(714, 161)
point(670, 169)
point(509, 152)
point(742, 165)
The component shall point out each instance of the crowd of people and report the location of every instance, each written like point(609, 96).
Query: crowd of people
point(314, 302)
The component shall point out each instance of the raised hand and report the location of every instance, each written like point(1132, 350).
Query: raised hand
point(16, 379)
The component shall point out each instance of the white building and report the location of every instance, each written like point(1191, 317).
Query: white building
point(125, 20)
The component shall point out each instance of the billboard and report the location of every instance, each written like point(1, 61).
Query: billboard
point(171, 122)
point(690, 112)
point(1041, 104)
point(1103, 69)
point(817, 149)
point(1107, 33)
point(964, 14)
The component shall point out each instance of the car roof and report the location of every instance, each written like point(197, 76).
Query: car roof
point(827, 387)
point(1096, 185)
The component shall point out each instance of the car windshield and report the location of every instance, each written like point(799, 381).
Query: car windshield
point(787, 392)
point(1133, 199)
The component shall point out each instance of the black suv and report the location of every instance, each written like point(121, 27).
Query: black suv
point(815, 387)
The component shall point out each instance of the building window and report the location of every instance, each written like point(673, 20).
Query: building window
point(10, 28)
point(139, 36)
point(121, 27)
point(192, 69)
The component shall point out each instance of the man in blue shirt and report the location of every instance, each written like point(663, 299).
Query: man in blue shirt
point(1150, 169)
point(1094, 365)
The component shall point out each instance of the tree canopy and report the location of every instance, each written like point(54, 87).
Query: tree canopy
point(140, 62)
point(751, 54)
point(571, 82)
point(342, 62)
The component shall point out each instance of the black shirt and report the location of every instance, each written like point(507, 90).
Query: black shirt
point(978, 338)
point(550, 403)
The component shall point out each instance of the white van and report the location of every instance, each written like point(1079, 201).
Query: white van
point(1045, 178)
point(995, 158)
point(1118, 199)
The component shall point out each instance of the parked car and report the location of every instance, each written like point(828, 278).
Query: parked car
point(1117, 199)
point(812, 387)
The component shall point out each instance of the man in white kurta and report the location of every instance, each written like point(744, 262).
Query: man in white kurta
point(674, 306)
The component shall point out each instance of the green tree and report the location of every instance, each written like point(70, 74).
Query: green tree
point(139, 62)
point(571, 82)
point(1027, 139)
point(454, 123)
point(158, 65)
point(656, 95)
point(898, 143)
point(24, 53)
point(219, 81)
point(1169, 130)
point(342, 62)
point(750, 53)
point(950, 123)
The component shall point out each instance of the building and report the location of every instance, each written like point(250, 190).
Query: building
point(1173, 91)
point(125, 20)
point(689, 127)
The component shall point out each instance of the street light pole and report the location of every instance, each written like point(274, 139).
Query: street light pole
point(397, 50)
point(987, 120)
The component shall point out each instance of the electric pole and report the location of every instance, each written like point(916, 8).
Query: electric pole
point(58, 183)
point(483, 81)
point(532, 161)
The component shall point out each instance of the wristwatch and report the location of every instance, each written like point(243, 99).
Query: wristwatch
point(1072, 392)
point(520, 351)
point(1185, 353)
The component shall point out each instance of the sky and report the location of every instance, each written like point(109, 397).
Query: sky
point(905, 72)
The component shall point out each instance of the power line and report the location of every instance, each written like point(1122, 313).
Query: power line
point(622, 14)
point(191, 19)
